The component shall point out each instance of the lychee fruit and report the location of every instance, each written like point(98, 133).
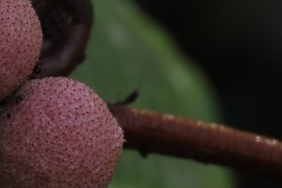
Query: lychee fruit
point(57, 133)
point(20, 43)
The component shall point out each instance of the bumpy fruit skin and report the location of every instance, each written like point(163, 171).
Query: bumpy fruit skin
point(58, 133)
point(20, 43)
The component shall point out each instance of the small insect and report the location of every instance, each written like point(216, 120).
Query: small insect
point(36, 70)
point(19, 98)
point(127, 100)
point(37, 67)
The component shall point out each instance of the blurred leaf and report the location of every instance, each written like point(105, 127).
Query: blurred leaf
point(128, 51)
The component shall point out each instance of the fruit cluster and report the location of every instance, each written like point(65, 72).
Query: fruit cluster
point(54, 132)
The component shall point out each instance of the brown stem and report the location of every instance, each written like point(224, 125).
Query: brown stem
point(67, 52)
point(66, 26)
point(152, 132)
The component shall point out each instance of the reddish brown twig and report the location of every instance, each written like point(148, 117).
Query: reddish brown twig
point(67, 53)
point(152, 132)
point(66, 26)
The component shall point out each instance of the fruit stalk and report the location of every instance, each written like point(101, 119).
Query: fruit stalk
point(152, 132)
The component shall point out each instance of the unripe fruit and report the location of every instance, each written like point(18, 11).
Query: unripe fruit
point(20, 43)
point(58, 133)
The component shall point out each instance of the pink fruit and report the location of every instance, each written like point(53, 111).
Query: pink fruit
point(20, 43)
point(55, 133)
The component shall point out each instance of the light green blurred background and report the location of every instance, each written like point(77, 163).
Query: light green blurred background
point(129, 51)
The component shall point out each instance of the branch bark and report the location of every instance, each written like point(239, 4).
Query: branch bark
point(152, 132)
